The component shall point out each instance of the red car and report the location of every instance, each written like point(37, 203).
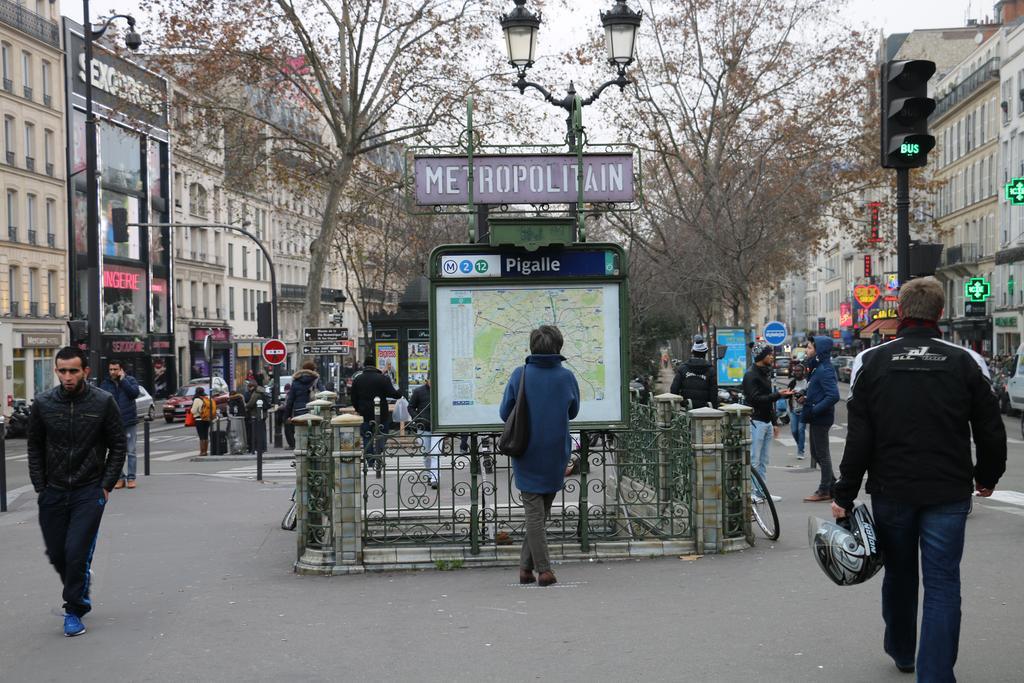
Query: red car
point(175, 406)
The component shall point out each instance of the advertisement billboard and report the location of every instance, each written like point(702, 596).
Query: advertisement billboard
point(732, 363)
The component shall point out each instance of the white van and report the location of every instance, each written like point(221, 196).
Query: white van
point(1015, 383)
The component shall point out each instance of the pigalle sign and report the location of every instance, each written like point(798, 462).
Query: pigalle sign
point(524, 179)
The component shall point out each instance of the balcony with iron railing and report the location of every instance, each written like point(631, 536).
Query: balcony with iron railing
point(965, 88)
point(15, 308)
point(10, 158)
point(8, 85)
point(33, 309)
point(51, 239)
point(12, 233)
point(963, 253)
point(27, 21)
point(298, 292)
point(31, 236)
point(52, 309)
point(30, 163)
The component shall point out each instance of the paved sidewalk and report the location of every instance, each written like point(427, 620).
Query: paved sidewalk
point(194, 583)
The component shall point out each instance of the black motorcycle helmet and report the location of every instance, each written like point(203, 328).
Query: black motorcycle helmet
point(847, 549)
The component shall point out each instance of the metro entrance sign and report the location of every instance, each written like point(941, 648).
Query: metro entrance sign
point(274, 352)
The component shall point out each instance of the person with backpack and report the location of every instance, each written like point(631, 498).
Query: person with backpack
point(305, 383)
point(696, 380)
point(203, 411)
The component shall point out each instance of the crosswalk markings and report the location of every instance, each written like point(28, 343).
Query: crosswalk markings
point(176, 455)
point(271, 470)
point(1008, 497)
point(791, 442)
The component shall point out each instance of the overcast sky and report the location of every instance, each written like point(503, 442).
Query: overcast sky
point(893, 16)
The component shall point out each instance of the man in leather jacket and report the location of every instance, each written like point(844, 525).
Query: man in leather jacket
point(76, 449)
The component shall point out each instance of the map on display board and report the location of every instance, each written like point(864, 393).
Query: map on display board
point(483, 335)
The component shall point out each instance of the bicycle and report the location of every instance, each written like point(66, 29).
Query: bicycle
point(762, 507)
point(290, 520)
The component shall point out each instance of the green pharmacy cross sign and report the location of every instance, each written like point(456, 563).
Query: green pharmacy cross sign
point(977, 289)
point(1015, 191)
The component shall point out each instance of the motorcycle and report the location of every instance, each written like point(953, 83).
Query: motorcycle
point(17, 423)
point(729, 395)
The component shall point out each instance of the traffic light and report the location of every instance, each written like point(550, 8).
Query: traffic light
point(905, 111)
point(78, 332)
point(264, 320)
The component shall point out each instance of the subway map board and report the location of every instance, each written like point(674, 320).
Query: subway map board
point(482, 323)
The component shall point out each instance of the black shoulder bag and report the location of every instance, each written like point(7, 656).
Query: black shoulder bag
point(516, 434)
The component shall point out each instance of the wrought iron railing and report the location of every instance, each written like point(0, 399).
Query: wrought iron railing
point(624, 485)
point(963, 89)
point(23, 19)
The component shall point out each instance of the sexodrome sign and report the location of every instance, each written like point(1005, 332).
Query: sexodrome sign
point(524, 179)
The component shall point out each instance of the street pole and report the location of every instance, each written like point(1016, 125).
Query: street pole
point(92, 208)
point(903, 225)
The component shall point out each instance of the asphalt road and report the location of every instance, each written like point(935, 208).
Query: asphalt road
point(194, 583)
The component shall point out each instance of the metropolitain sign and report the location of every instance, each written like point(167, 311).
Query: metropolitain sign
point(524, 179)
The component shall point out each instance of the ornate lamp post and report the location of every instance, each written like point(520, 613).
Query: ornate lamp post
point(521, 26)
point(94, 308)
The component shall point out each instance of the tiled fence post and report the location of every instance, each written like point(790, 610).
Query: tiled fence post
point(706, 424)
point(348, 494)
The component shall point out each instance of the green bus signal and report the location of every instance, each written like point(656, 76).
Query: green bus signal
point(910, 149)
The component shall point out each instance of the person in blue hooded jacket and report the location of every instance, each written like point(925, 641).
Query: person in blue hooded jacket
point(819, 411)
point(552, 399)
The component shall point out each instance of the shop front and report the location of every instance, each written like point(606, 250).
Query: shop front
point(134, 269)
point(1007, 333)
point(30, 368)
point(974, 332)
point(213, 358)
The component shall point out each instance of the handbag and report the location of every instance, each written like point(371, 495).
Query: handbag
point(516, 434)
point(190, 419)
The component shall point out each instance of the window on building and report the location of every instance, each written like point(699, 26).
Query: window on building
point(51, 291)
point(5, 57)
point(193, 297)
point(48, 150)
point(245, 305)
point(47, 86)
point(30, 145)
point(218, 300)
point(231, 303)
point(177, 294)
point(51, 222)
point(12, 215)
point(259, 265)
point(206, 300)
point(14, 289)
point(30, 215)
point(245, 262)
point(231, 259)
point(252, 302)
point(9, 138)
point(981, 125)
point(26, 73)
point(197, 200)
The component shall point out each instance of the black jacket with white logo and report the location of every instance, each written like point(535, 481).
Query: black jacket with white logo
point(914, 403)
point(696, 381)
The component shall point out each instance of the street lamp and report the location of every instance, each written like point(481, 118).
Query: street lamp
point(521, 26)
point(133, 42)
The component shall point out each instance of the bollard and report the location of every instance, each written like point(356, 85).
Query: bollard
point(260, 438)
point(3, 464)
point(145, 445)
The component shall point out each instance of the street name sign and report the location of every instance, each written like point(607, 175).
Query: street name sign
point(324, 334)
point(274, 351)
point(524, 179)
point(775, 333)
point(338, 348)
point(515, 263)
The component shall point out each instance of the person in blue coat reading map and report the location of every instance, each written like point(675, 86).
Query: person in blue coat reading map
point(552, 398)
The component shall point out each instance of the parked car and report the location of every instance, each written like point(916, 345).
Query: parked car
point(782, 367)
point(843, 366)
point(175, 406)
point(144, 404)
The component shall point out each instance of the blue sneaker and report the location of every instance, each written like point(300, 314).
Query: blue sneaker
point(73, 625)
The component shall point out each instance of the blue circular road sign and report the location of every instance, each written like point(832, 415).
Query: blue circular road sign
point(775, 333)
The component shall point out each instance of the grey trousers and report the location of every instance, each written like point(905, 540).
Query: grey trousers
point(820, 453)
point(535, 546)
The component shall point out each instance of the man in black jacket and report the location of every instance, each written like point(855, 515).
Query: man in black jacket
point(696, 379)
point(914, 404)
point(76, 449)
point(369, 385)
point(760, 395)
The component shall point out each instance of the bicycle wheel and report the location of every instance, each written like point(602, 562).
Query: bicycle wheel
point(290, 521)
point(763, 507)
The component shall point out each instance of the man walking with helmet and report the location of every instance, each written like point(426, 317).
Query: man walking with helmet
point(914, 403)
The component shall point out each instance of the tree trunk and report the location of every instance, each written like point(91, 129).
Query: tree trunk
point(320, 248)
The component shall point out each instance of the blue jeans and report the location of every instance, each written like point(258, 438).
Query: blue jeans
point(939, 531)
point(796, 426)
point(130, 460)
point(761, 434)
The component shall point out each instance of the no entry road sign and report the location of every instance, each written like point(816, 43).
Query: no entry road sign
point(274, 351)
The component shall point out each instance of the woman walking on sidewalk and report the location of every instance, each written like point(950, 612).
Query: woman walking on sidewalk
point(552, 397)
point(202, 413)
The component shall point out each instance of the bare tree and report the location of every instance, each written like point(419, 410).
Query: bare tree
point(743, 115)
point(325, 81)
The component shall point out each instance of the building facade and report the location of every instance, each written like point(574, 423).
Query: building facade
point(33, 199)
